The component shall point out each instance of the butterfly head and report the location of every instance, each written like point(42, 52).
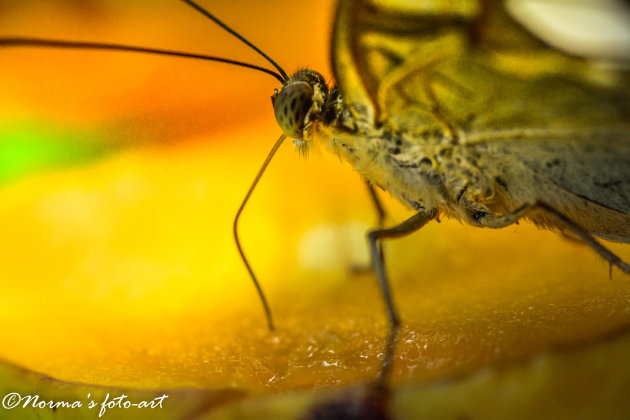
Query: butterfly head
point(299, 102)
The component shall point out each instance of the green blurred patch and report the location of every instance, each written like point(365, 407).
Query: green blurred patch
point(27, 148)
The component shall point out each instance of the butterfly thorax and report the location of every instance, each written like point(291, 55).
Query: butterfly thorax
point(425, 169)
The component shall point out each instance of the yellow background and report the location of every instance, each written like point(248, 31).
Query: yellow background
point(117, 265)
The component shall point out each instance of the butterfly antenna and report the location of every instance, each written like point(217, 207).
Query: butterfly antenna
point(273, 151)
point(52, 43)
point(237, 35)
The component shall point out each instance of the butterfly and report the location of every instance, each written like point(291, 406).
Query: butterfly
point(452, 118)
point(458, 111)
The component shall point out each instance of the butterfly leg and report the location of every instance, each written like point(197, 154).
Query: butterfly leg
point(486, 219)
point(378, 206)
point(381, 215)
point(410, 225)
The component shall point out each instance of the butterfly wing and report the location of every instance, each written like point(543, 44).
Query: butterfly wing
point(373, 40)
point(396, 61)
point(555, 123)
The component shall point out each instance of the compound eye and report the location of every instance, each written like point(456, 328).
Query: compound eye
point(291, 106)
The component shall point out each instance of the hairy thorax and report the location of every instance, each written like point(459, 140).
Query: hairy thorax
point(426, 170)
